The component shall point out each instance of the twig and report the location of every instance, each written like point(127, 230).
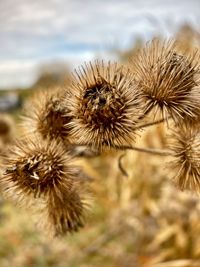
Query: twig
point(149, 124)
point(123, 171)
point(153, 151)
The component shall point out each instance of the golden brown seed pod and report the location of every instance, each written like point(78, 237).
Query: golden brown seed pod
point(105, 105)
point(63, 214)
point(46, 116)
point(38, 168)
point(41, 175)
point(186, 163)
point(168, 80)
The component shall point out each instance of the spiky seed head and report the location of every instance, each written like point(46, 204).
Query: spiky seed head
point(37, 168)
point(65, 213)
point(105, 105)
point(168, 80)
point(47, 116)
point(186, 163)
point(40, 175)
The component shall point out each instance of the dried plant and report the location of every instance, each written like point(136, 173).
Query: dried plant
point(186, 162)
point(47, 116)
point(42, 170)
point(168, 80)
point(104, 104)
point(64, 213)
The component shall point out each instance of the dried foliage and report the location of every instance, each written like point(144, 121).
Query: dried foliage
point(168, 79)
point(104, 104)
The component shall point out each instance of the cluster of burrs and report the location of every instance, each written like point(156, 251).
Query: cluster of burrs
point(102, 108)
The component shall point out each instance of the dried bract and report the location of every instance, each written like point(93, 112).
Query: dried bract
point(105, 105)
point(168, 80)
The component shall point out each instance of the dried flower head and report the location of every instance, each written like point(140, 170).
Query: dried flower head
point(168, 80)
point(41, 173)
point(47, 116)
point(186, 152)
point(63, 214)
point(105, 105)
point(38, 168)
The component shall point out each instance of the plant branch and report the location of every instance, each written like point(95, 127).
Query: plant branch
point(149, 124)
point(153, 151)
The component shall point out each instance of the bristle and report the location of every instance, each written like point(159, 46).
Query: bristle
point(104, 104)
point(168, 80)
point(186, 162)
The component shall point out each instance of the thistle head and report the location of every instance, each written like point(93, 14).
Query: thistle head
point(42, 176)
point(64, 213)
point(168, 80)
point(104, 104)
point(37, 169)
point(186, 163)
point(47, 116)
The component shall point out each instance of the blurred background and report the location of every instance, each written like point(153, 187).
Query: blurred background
point(139, 221)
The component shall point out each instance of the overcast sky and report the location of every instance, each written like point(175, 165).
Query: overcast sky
point(40, 31)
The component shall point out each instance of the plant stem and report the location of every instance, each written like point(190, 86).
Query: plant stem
point(123, 171)
point(153, 151)
point(149, 124)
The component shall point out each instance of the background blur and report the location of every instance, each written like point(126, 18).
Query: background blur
point(139, 221)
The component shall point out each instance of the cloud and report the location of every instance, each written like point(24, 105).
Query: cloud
point(41, 30)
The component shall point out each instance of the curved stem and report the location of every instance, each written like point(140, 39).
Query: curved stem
point(123, 171)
